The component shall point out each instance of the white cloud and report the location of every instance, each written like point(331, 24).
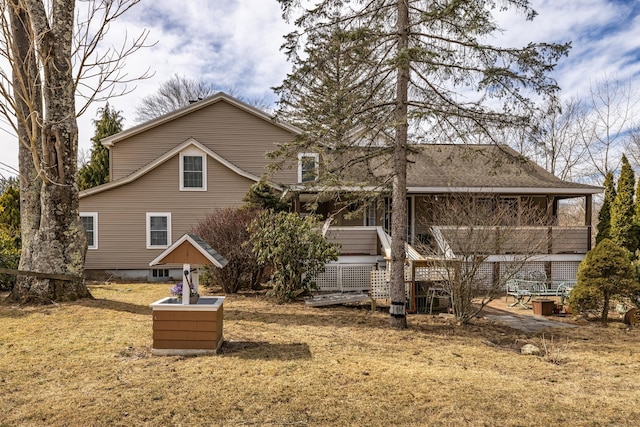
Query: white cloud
point(236, 44)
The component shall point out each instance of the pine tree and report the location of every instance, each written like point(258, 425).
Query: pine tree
point(623, 209)
point(10, 208)
point(604, 216)
point(605, 272)
point(96, 172)
point(374, 75)
point(262, 196)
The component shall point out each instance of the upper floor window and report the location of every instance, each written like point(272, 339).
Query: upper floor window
point(193, 170)
point(158, 230)
point(90, 222)
point(307, 167)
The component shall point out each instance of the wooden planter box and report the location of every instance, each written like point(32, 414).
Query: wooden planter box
point(188, 330)
point(543, 307)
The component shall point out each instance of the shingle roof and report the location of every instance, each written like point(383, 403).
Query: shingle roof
point(481, 166)
point(443, 168)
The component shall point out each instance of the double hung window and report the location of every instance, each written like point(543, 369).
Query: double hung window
point(307, 167)
point(158, 230)
point(193, 170)
point(90, 222)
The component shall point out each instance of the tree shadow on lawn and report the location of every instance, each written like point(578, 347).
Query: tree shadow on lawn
point(350, 317)
point(125, 307)
point(10, 311)
point(261, 350)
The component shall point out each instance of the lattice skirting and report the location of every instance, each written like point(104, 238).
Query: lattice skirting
point(345, 277)
point(365, 277)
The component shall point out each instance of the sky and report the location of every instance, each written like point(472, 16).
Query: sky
point(235, 44)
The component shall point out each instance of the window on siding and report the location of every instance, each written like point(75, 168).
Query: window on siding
point(90, 222)
point(387, 218)
point(307, 167)
point(158, 230)
point(158, 273)
point(193, 170)
point(370, 214)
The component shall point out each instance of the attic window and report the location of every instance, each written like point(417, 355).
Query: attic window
point(193, 170)
point(307, 167)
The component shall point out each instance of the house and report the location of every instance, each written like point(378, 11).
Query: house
point(168, 173)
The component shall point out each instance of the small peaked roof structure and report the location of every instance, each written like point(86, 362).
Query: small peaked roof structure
point(190, 249)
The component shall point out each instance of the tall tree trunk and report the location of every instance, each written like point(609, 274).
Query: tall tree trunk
point(28, 99)
point(399, 194)
point(59, 244)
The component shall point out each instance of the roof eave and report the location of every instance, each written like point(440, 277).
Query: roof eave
point(418, 190)
point(519, 190)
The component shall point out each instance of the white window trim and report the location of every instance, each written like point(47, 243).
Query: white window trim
point(149, 215)
point(95, 228)
point(193, 152)
point(300, 157)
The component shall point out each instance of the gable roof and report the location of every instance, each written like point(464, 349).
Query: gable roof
point(190, 249)
point(218, 97)
point(165, 157)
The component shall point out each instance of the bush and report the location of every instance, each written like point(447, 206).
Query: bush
point(225, 230)
point(294, 248)
point(10, 241)
point(262, 196)
point(9, 255)
point(605, 273)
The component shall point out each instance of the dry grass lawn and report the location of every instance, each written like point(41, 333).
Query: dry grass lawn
point(89, 364)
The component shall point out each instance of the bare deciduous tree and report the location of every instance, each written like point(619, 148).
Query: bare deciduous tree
point(176, 92)
point(180, 91)
point(609, 118)
point(52, 59)
point(556, 140)
point(469, 229)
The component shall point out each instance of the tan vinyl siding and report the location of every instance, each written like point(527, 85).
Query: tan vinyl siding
point(570, 240)
point(235, 134)
point(355, 241)
point(122, 211)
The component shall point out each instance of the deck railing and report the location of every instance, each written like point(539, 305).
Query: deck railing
point(514, 240)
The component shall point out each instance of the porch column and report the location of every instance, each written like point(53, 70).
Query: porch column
point(552, 210)
point(551, 220)
point(588, 218)
point(296, 203)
